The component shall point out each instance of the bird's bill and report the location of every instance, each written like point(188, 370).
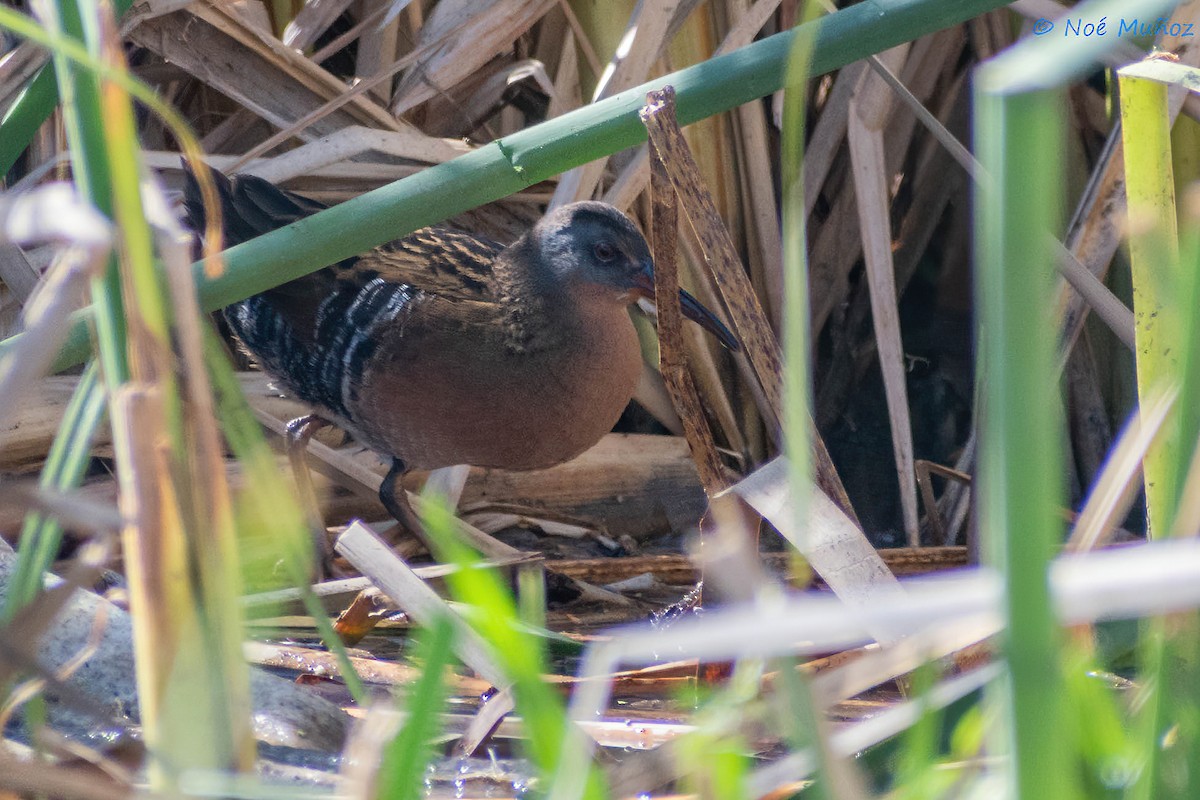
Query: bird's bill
point(692, 308)
point(699, 314)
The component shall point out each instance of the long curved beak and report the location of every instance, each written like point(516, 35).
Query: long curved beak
point(691, 307)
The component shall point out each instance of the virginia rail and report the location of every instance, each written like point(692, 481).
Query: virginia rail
point(443, 348)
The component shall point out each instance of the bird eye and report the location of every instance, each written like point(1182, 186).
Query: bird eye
point(604, 251)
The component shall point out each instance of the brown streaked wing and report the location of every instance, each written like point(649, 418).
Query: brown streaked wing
point(453, 265)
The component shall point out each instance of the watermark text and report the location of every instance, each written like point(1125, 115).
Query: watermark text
point(1077, 27)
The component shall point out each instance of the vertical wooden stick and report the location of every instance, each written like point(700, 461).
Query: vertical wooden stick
point(748, 320)
point(664, 233)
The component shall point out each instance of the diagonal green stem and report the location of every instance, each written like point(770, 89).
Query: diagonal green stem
point(518, 161)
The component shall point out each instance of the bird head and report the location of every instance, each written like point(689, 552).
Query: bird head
point(596, 245)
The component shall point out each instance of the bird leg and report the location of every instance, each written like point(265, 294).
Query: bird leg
point(299, 432)
point(395, 499)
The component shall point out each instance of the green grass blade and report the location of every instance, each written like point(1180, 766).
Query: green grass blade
point(32, 108)
point(1019, 140)
point(193, 682)
point(797, 371)
point(1154, 261)
point(494, 615)
point(70, 453)
point(401, 775)
point(1166, 285)
point(22, 120)
point(83, 120)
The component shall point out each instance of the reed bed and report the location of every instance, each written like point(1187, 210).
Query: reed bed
point(956, 243)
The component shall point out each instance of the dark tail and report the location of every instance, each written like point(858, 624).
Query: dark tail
point(250, 206)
